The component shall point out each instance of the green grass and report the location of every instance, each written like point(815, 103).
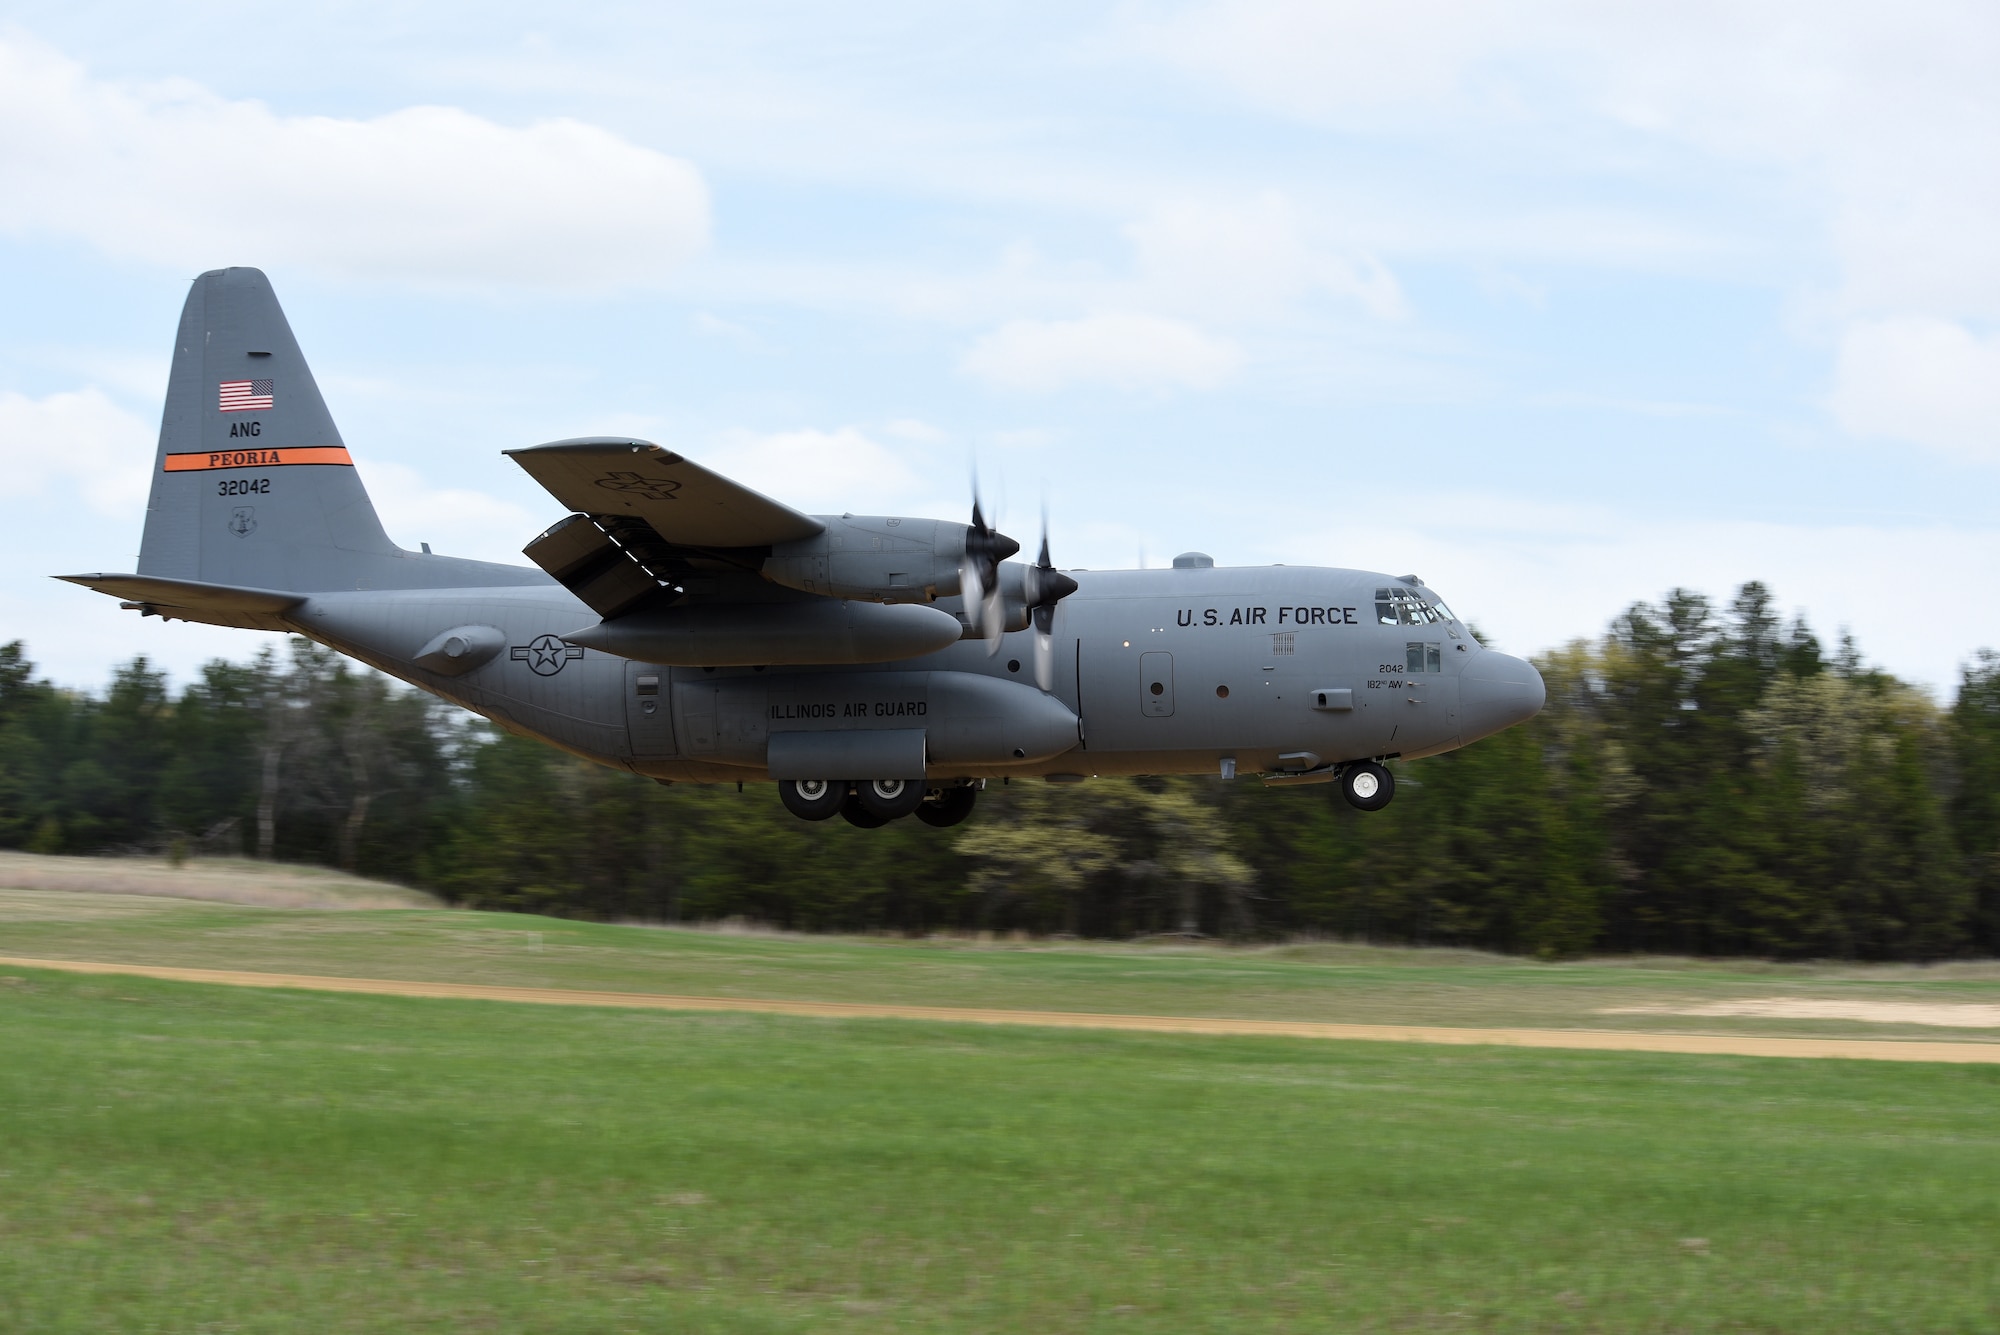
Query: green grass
point(183, 1158)
point(1295, 982)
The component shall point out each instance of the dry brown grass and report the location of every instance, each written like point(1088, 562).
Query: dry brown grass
point(217, 880)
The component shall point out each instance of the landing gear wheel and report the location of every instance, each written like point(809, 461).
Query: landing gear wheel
point(890, 799)
point(1367, 786)
point(949, 807)
point(854, 813)
point(811, 799)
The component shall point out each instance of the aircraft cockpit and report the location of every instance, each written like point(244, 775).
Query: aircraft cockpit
point(1409, 607)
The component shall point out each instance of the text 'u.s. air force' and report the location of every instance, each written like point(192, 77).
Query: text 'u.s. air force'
point(1263, 616)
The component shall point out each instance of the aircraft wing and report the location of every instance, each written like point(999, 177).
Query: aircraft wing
point(684, 503)
point(191, 600)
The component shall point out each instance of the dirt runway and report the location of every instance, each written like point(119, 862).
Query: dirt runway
point(1600, 1040)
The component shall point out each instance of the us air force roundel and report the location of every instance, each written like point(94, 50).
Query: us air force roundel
point(545, 654)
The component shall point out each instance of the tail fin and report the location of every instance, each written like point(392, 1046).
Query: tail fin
point(252, 485)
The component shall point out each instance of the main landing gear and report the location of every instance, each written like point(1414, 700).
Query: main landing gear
point(873, 803)
point(1367, 786)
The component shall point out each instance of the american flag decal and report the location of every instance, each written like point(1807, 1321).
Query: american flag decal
point(242, 396)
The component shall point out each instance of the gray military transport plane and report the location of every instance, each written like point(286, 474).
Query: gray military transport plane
point(687, 628)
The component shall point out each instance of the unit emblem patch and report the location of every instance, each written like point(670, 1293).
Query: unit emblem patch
point(632, 484)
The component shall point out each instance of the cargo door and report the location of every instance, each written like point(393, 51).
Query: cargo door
point(1156, 685)
point(648, 718)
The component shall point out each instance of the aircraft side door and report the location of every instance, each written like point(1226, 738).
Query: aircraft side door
point(694, 701)
point(648, 716)
point(1428, 719)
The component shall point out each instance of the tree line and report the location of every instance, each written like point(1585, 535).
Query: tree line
point(1704, 780)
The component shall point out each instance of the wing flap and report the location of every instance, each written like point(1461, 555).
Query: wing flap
point(585, 560)
point(685, 504)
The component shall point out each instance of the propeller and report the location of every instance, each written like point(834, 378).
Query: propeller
point(979, 575)
point(1045, 586)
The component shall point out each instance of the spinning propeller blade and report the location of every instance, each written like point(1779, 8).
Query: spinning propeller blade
point(979, 575)
point(1045, 586)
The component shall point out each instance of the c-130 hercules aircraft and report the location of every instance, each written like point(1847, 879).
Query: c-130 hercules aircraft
point(686, 628)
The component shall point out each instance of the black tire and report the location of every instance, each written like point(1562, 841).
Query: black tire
point(949, 807)
point(1367, 786)
point(891, 799)
point(811, 799)
point(855, 814)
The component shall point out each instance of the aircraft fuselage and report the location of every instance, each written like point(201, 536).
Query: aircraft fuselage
point(1156, 672)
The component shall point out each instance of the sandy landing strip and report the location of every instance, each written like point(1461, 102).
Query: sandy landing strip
point(1599, 1040)
point(1950, 1014)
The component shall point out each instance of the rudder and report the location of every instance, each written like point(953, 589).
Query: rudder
point(252, 484)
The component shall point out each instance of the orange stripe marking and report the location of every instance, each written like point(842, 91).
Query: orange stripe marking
point(305, 454)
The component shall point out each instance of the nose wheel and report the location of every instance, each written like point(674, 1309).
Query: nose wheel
point(1367, 786)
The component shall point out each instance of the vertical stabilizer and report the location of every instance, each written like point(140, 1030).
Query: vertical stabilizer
point(252, 485)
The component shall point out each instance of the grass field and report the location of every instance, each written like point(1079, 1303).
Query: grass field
point(183, 1158)
point(176, 1157)
point(1330, 981)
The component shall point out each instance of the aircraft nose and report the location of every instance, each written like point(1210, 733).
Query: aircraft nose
point(1497, 691)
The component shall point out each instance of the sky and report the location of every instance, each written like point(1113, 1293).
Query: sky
point(1559, 305)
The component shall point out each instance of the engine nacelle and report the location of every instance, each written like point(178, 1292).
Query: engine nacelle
point(878, 559)
point(818, 630)
point(1014, 611)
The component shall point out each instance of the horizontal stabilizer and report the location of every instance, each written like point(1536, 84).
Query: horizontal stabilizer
point(191, 600)
point(683, 502)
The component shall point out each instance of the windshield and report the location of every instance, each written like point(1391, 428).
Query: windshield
point(1410, 607)
point(1406, 607)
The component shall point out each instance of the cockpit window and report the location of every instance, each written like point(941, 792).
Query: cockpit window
point(1404, 607)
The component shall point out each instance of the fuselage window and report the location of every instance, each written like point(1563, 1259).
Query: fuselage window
point(1420, 657)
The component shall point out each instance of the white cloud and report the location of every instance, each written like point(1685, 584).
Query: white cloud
point(1251, 257)
point(916, 429)
point(455, 521)
point(1126, 351)
point(1932, 382)
point(1879, 120)
point(1023, 439)
point(714, 326)
point(1534, 575)
point(79, 436)
point(819, 472)
point(174, 174)
point(1327, 60)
